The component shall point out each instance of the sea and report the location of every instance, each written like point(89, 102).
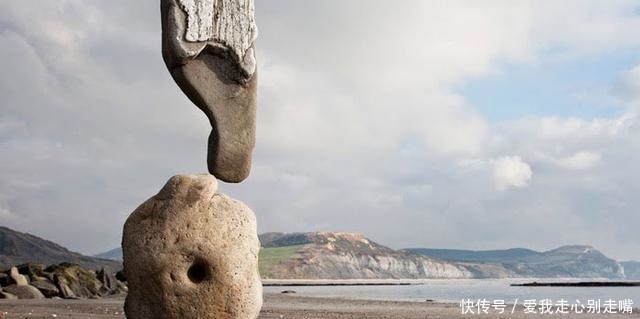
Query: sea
point(457, 290)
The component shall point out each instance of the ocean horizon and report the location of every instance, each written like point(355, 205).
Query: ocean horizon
point(456, 290)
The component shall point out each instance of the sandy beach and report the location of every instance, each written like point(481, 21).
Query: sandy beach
point(280, 306)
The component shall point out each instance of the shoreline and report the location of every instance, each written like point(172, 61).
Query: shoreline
point(323, 283)
point(580, 284)
point(282, 306)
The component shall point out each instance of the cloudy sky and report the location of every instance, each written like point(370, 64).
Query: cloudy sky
point(445, 124)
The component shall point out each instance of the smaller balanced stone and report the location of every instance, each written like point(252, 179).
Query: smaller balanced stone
point(207, 46)
point(192, 253)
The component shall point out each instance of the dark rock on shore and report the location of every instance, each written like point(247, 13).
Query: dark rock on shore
point(24, 292)
point(6, 295)
point(121, 276)
point(110, 283)
point(65, 280)
point(4, 279)
point(48, 289)
point(74, 281)
point(34, 272)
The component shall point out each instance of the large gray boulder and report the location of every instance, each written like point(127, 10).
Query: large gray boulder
point(5, 280)
point(48, 289)
point(75, 282)
point(24, 292)
point(33, 271)
point(6, 295)
point(191, 252)
point(207, 46)
point(110, 284)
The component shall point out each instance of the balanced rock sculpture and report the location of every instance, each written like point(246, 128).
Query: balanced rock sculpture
point(192, 253)
point(207, 46)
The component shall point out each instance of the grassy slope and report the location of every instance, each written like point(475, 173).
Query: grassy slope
point(270, 257)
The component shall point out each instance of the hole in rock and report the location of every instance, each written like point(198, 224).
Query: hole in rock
point(198, 272)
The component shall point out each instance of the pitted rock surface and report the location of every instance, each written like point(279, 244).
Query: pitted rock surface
point(191, 252)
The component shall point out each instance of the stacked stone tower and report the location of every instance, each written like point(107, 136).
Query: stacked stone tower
point(189, 251)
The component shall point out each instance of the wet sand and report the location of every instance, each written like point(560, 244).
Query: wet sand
point(280, 306)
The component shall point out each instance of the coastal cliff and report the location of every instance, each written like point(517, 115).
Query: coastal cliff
point(323, 255)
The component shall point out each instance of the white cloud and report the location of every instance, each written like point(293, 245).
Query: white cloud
point(580, 161)
point(585, 27)
point(628, 86)
point(572, 127)
point(569, 128)
point(511, 172)
point(311, 112)
point(357, 113)
point(471, 163)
